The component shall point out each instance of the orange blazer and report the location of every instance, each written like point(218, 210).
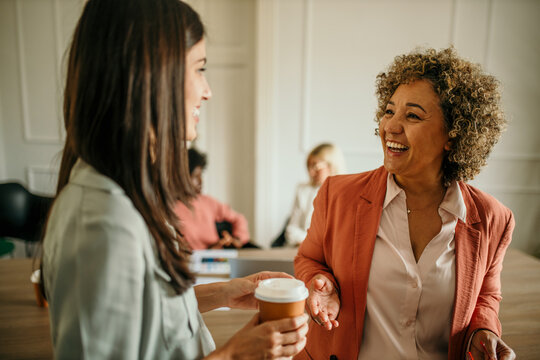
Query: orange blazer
point(340, 243)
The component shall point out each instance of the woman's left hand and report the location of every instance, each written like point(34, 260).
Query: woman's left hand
point(227, 239)
point(488, 346)
point(239, 292)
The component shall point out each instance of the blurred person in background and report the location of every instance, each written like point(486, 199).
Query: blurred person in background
point(198, 223)
point(323, 161)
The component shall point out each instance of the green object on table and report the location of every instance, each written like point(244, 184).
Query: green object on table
point(6, 247)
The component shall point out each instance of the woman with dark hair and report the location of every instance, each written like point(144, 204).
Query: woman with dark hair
point(200, 220)
point(115, 267)
point(406, 259)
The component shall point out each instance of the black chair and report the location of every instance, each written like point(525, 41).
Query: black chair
point(223, 226)
point(280, 240)
point(22, 214)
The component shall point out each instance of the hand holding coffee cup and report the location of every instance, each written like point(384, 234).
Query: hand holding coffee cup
point(281, 298)
point(279, 339)
point(240, 291)
point(279, 330)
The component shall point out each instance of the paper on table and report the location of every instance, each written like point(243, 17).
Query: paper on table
point(212, 261)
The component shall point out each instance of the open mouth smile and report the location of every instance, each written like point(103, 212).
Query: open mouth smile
point(396, 147)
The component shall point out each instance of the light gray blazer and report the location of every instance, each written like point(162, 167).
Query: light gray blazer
point(108, 296)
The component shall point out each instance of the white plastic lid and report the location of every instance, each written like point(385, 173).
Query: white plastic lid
point(281, 290)
point(36, 276)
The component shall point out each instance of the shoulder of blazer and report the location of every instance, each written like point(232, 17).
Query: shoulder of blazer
point(370, 185)
point(482, 207)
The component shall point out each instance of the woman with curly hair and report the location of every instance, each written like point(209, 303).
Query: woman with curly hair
point(406, 259)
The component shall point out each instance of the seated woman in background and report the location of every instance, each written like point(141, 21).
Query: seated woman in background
point(199, 223)
point(323, 161)
point(406, 259)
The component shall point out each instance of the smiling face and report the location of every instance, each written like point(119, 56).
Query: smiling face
point(196, 88)
point(413, 133)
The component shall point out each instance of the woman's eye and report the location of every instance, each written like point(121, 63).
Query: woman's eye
point(388, 112)
point(413, 116)
point(201, 70)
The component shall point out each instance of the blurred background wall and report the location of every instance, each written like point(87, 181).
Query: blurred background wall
point(287, 75)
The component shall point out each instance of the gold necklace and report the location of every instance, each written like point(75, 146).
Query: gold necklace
point(427, 207)
point(422, 209)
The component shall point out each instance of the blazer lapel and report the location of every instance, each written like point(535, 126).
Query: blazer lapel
point(368, 216)
point(467, 242)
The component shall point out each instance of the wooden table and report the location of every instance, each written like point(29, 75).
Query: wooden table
point(520, 306)
point(24, 327)
point(25, 334)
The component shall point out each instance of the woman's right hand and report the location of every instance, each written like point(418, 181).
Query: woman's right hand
point(323, 302)
point(279, 339)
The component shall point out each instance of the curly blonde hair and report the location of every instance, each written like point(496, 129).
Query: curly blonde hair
point(469, 98)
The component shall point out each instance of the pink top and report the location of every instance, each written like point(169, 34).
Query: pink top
point(199, 225)
point(409, 304)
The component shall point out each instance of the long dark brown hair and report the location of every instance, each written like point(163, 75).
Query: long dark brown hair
point(124, 111)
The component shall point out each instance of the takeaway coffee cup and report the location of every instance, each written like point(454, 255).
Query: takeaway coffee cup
point(36, 281)
point(281, 298)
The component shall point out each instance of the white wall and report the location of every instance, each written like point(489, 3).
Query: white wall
point(513, 173)
point(33, 37)
point(325, 57)
point(226, 129)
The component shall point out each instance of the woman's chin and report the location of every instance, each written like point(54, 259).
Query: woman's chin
point(391, 166)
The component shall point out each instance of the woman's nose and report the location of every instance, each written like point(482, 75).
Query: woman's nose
point(207, 93)
point(394, 124)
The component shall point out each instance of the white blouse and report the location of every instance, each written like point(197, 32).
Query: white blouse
point(300, 219)
point(409, 304)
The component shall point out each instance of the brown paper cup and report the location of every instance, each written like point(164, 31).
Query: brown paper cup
point(280, 298)
point(274, 311)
